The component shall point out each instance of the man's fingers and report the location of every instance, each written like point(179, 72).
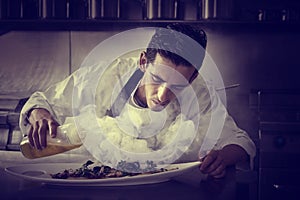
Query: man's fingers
point(38, 131)
point(52, 128)
point(42, 124)
point(220, 175)
point(30, 133)
point(208, 160)
point(43, 132)
point(36, 137)
point(218, 171)
point(214, 165)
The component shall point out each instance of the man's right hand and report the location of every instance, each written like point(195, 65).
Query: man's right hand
point(42, 123)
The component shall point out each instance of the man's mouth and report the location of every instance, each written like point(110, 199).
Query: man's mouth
point(158, 103)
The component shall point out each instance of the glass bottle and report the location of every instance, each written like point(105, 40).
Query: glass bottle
point(66, 139)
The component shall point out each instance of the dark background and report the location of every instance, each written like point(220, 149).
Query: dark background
point(253, 43)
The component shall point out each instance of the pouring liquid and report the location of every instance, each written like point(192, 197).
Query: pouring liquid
point(65, 140)
point(30, 152)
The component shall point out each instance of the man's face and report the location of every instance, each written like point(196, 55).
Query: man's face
point(163, 80)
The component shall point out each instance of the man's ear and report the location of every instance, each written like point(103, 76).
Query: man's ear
point(194, 76)
point(143, 61)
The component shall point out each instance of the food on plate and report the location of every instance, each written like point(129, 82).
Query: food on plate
point(102, 171)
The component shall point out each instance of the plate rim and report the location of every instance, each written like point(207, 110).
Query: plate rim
point(118, 181)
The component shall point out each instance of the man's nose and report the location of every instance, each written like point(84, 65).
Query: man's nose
point(163, 93)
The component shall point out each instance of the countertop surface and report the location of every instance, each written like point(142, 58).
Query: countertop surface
point(188, 187)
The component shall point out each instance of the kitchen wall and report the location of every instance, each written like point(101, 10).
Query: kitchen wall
point(255, 57)
point(31, 61)
point(265, 58)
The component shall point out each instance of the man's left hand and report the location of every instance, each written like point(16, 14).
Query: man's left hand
point(214, 164)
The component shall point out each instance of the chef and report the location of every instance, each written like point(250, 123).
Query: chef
point(152, 98)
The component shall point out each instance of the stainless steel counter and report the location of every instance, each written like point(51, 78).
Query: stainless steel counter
point(186, 187)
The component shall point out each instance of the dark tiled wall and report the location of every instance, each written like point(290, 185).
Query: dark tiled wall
point(255, 57)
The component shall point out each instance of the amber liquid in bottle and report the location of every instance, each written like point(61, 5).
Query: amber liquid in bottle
point(66, 139)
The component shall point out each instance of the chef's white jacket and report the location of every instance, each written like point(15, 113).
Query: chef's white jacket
point(100, 84)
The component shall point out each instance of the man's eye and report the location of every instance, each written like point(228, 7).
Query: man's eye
point(156, 79)
point(178, 88)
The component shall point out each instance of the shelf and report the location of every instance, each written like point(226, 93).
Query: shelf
point(100, 25)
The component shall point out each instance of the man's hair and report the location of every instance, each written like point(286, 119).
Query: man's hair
point(180, 43)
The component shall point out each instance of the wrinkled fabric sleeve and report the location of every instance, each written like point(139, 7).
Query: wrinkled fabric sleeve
point(54, 99)
point(232, 134)
point(217, 128)
point(57, 99)
point(86, 86)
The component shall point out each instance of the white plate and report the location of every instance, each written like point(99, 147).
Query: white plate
point(41, 173)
